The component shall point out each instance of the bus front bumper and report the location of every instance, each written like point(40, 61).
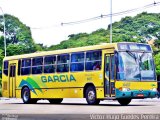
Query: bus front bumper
point(136, 94)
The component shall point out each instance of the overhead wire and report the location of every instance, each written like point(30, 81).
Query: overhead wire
point(135, 9)
point(114, 14)
point(83, 21)
point(100, 16)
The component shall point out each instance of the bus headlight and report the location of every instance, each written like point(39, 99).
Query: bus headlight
point(154, 89)
point(125, 89)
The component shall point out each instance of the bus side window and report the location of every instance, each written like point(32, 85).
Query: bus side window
point(12, 71)
point(112, 66)
point(77, 62)
point(19, 67)
point(93, 60)
point(49, 64)
point(63, 63)
point(5, 68)
point(37, 64)
point(107, 65)
point(26, 66)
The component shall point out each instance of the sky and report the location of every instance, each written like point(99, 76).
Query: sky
point(44, 17)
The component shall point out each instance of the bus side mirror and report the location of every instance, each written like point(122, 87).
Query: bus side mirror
point(116, 55)
point(115, 52)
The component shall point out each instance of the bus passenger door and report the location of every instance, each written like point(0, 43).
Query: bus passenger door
point(12, 80)
point(109, 75)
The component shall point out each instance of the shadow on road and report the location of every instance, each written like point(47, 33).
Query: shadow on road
point(102, 104)
point(85, 104)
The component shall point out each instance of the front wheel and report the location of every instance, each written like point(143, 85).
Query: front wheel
point(124, 101)
point(90, 94)
point(55, 101)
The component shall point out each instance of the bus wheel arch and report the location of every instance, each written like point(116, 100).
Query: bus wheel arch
point(124, 101)
point(90, 94)
point(25, 86)
point(85, 87)
point(26, 95)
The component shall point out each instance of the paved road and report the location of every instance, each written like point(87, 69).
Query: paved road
point(75, 106)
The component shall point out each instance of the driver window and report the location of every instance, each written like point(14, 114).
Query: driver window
point(110, 62)
point(112, 67)
point(107, 65)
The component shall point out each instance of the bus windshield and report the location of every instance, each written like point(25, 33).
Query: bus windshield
point(137, 66)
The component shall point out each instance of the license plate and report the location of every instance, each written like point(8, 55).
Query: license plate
point(140, 95)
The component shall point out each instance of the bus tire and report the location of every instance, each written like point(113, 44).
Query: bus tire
point(26, 96)
point(90, 94)
point(55, 101)
point(124, 101)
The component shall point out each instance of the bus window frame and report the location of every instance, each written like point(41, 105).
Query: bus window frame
point(66, 63)
point(22, 67)
point(55, 64)
point(98, 60)
point(19, 67)
point(36, 66)
point(6, 69)
point(83, 62)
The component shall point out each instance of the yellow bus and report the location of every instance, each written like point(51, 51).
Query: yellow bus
point(111, 71)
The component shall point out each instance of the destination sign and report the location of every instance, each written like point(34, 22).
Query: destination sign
point(134, 46)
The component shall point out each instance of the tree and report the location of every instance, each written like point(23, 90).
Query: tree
point(18, 37)
point(157, 63)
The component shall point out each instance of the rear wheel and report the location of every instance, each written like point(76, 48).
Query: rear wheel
point(90, 94)
point(55, 101)
point(26, 96)
point(124, 101)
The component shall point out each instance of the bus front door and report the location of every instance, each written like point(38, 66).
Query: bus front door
point(12, 80)
point(109, 75)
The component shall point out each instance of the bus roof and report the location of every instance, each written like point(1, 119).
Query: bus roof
point(62, 51)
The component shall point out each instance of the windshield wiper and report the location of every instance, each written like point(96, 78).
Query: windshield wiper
point(131, 54)
point(143, 53)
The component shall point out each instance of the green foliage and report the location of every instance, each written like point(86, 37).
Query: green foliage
point(18, 37)
point(0, 87)
point(141, 28)
point(0, 82)
point(0, 92)
point(157, 63)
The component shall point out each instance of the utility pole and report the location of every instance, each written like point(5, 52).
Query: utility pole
point(4, 29)
point(110, 21)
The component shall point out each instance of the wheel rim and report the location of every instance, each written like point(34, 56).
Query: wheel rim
point(26, 95)
point(91, 95)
